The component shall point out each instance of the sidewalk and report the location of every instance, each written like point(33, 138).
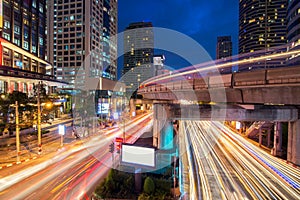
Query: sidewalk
point(29, 146)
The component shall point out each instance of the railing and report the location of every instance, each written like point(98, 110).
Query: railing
point(269, 77)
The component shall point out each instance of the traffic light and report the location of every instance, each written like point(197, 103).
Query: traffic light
point(112, 147)
point(119, 145)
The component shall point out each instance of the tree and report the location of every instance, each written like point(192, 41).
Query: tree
point(149, 186)
point(7, 100)
point(18, 96)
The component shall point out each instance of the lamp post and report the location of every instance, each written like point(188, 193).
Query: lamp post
point(39, 128)
point(17, 132)
point(39, 119)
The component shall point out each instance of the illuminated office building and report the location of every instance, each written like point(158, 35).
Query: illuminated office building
point(224, 47)
point(224, 51)
point(22, 46)
point(293, 28)
point(82, 40)
point(138, 54)
point(262, 27)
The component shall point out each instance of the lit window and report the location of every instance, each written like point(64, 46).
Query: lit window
point(41, 8)
point(6, 36)
point(41, 41)
point(25, 45)
point(33, 49)
point(17, 41)
point(6, 24)
point(17, 29)
point(34, 3)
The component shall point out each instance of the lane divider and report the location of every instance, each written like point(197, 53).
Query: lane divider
point(17, 163)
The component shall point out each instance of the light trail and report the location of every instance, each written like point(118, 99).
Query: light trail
point(212, 66)
point(69, 173)
point(230, 167)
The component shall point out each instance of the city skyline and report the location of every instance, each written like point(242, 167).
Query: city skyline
point(202, 21)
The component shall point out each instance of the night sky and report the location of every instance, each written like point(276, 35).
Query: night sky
point(202, 20)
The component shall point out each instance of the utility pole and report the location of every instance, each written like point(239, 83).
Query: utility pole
point(17, 132)
point(39, 119)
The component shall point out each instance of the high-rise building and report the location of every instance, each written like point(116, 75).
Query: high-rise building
point(82, 39)
point(23, 46)
point(138, 54)
point(224, 47)
point(224, 51)
point(293, 28)
point(262, 26)
point(158, 64)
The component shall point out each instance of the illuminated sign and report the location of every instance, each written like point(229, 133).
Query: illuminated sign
point(103, 108)
point(135, 155)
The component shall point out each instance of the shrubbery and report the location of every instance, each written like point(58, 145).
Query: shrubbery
point(120, 185)
point(116, 185)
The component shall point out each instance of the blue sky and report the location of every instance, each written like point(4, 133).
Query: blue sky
point(202, 20)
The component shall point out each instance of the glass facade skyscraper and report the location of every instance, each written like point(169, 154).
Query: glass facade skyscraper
point(82, 39)
point(293, 30)
point(138, 54)
point(262, 26)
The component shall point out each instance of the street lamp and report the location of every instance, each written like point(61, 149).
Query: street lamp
point(39, 90)
point(17, 132)
point(39, 119)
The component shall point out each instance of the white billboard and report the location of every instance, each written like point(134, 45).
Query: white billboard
point(136, 155)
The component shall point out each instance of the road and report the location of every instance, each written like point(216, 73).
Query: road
point(74, 171)
point(223, 165)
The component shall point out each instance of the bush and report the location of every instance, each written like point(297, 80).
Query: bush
point(116, 185)
point(149, 186)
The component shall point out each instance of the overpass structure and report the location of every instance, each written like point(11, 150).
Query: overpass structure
point(271, 94)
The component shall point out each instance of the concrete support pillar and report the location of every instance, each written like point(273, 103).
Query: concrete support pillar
point(277, 148)
point(269, 138)
point(159, 120)
point(167, 136)
point(157, 127)
point(260, 136)
point(162, 127)
point(293, 148)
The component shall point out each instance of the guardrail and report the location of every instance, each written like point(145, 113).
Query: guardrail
point(268, 77)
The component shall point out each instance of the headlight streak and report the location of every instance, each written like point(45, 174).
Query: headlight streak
point(290, 172)
point(228, 179)
point(193, 193)
point(211, 66)
point(68, 160)
point(204, 184)
point(247, 146)
point(237, 166)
